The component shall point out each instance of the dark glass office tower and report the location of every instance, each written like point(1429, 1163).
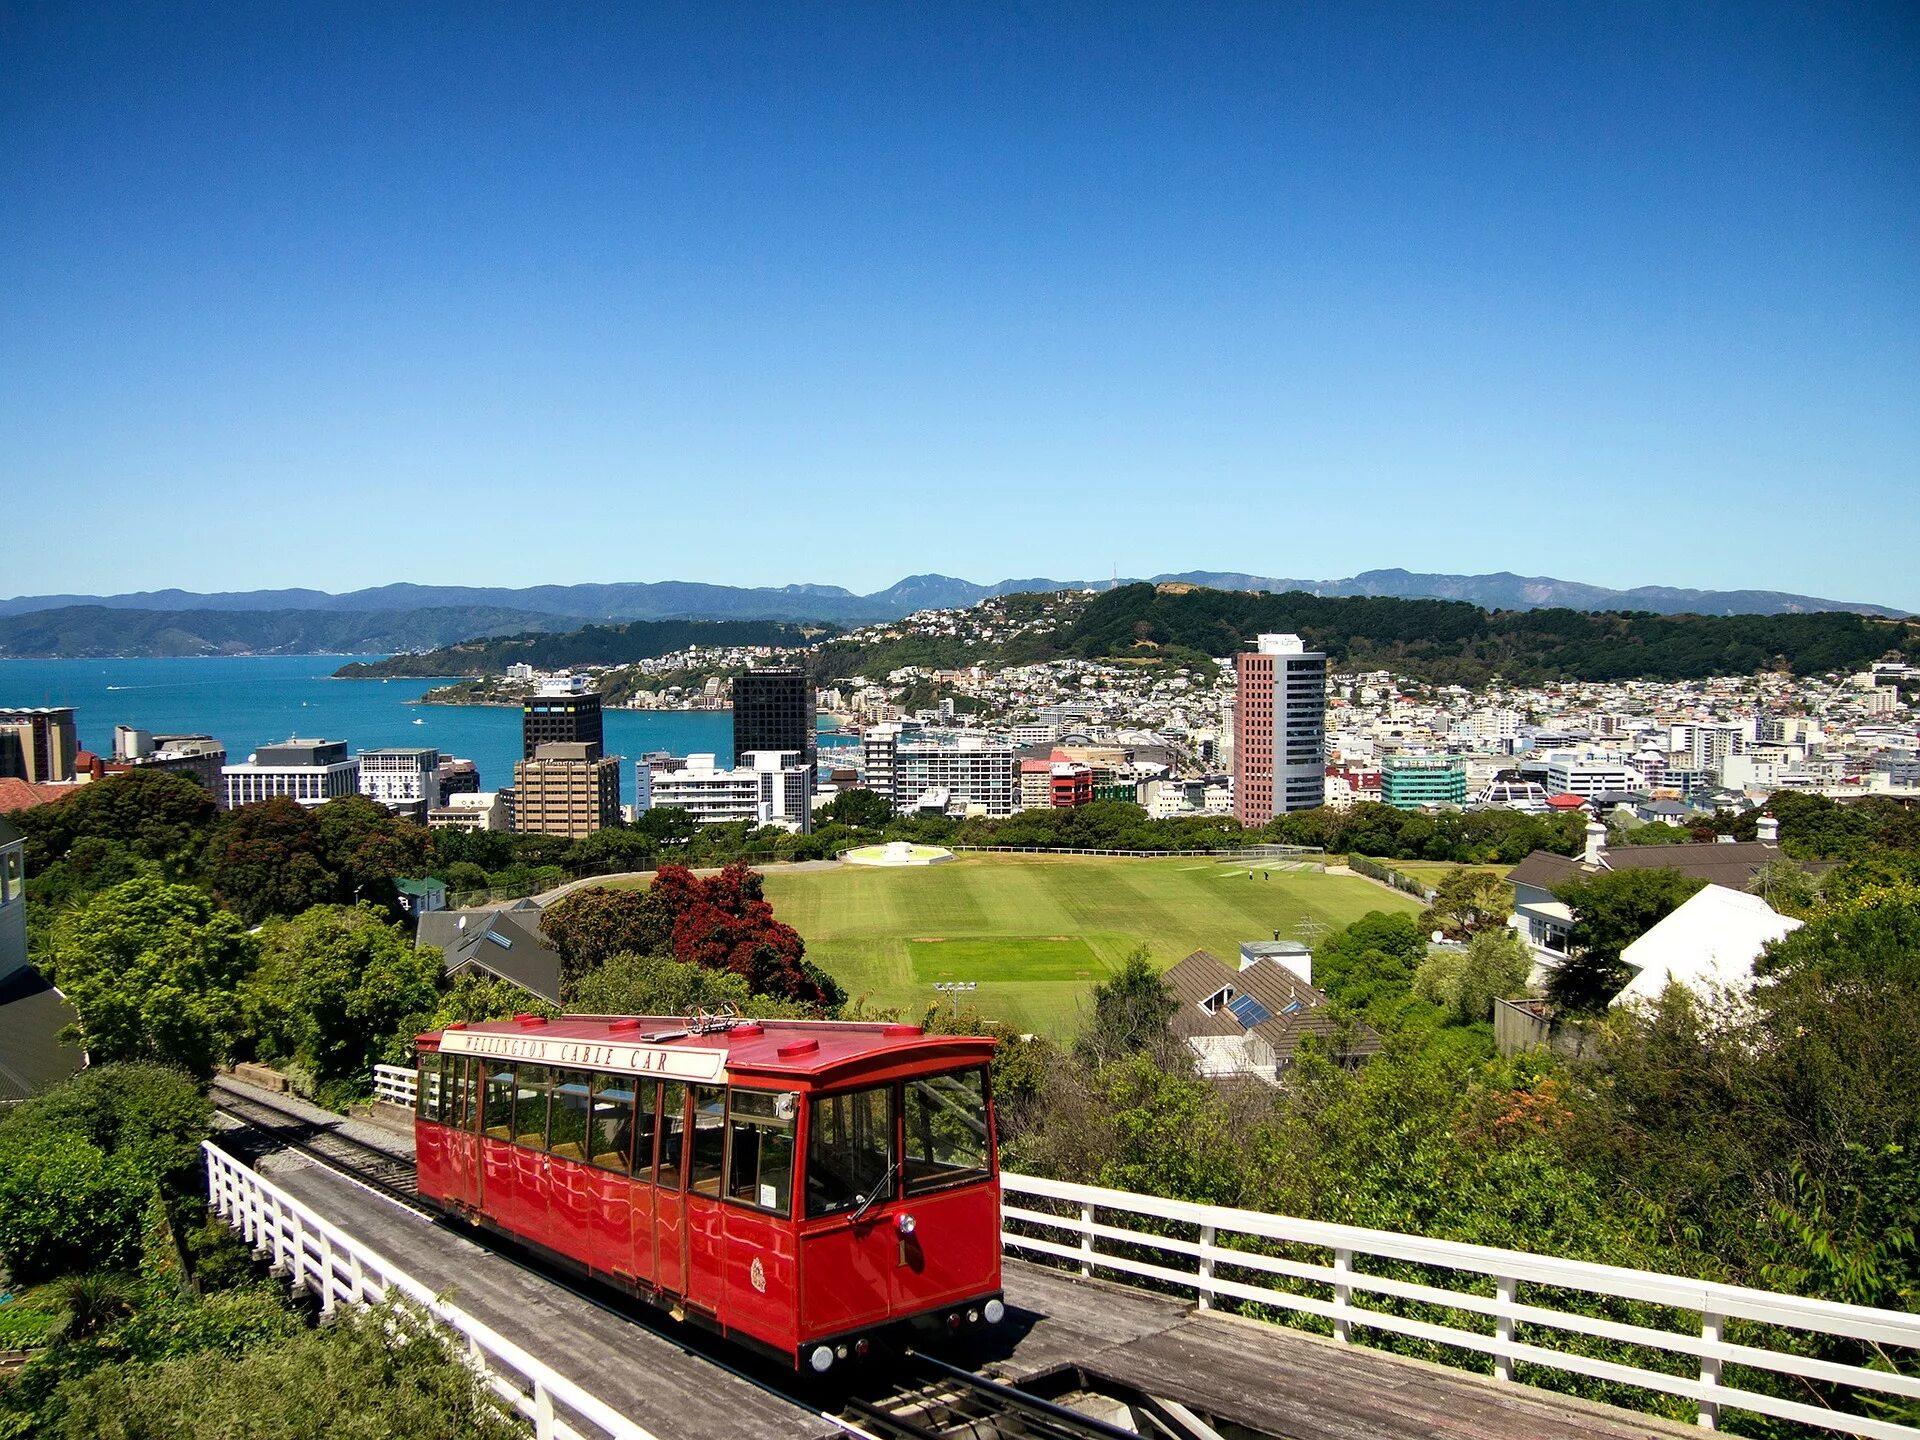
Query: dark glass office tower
point(773, 710)
point(560, 720)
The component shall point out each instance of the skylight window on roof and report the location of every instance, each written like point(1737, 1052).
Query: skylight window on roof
point(1249, 1011)
point(502, 941)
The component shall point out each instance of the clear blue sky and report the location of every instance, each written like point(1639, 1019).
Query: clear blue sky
point(336, 295)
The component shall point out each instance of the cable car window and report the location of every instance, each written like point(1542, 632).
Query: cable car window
point(427, 1088)
point(850, 1159)
point(567, 1121)
point(645, 1106)
point(610, 1127)
point(460, 1103)
point(497, 1108)
point(530, 1106)
point(946, 1124)
point(673, 1134)
point(760, 1126)
point(709, 1138)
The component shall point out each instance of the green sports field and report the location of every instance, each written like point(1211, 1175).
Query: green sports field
point(1036, 932)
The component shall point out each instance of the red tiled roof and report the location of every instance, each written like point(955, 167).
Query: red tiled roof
point(24, 794)
point(1565, 802)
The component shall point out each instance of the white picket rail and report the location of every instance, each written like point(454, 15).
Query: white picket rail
point(1093, 1217)
point(319, 1256)
point(395, 1084)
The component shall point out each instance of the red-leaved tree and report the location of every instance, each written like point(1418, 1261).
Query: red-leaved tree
point(724, 923)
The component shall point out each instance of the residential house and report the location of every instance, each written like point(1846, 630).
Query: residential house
point(1252, 1021)
point(1709, 944)
point(504, 942)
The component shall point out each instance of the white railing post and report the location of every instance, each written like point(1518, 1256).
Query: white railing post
point(1086, 1239)
point(1712, 1329)
point(326, 1274)
point(542, 1412)
point(298, 1238)
point(1205, 1288)
point(1508, 1292)
point(1342, 1296)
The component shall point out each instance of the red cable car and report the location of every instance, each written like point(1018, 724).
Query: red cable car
point(797, 1185)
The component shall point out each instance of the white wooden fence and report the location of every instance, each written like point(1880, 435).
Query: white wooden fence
point(1216, 1253)
point(1214, 1256)
point(337, 1268)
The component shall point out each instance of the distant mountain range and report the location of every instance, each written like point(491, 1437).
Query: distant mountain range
point(407, 616)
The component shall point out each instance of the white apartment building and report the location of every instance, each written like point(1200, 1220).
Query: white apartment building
point(979, 772)
point(308, 772)
point(406, 779)
point(1492, 725)
point(1035, 733)
point(775, 787)
point(1591, 774)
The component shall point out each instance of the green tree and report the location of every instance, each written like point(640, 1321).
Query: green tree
point(591, 925)
point(662, 985)
point(155, 815)
point(153, 971)
point(1611, 910)
point(1787, 887)
point(367, 849)
point(1369, 965)
point(378, 1374)
point(78, 1165)
point(1130, 1013)
point(1494, 966)
point(611, 851)
point(266, 860)
point(334, 985)
point(1466, 902)
point(858, 810)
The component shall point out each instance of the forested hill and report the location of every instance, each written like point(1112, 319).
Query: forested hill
point(87, 631)
point(1451, 641)
point(593, 645)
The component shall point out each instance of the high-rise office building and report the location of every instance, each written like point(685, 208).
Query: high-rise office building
point(567, 788)
point(45, 743)
point(773, 709)
point(1279, 729)
point(562, 712)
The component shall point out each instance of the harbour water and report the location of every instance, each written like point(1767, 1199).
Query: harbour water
point(249, 701)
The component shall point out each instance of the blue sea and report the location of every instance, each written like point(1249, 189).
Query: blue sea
point(249, 701)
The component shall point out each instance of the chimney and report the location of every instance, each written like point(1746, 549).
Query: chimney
point(1596, 845)
point(1768, 830)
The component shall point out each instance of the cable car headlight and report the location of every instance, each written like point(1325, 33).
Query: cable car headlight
point(904, 1224)
point(994, 1311)
point(821, 1359)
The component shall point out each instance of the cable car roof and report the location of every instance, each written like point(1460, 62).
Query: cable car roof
point(706, 1050)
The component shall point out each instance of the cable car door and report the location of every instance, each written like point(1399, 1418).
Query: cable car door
point(669, 1195)
point(706, 1221)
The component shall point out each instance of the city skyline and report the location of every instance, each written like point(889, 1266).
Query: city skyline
point(979, 293)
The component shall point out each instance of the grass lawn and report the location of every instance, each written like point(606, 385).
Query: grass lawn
point(1036, 932)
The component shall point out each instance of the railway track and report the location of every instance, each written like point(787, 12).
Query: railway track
point(358, 1160)
point(928, 1399)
